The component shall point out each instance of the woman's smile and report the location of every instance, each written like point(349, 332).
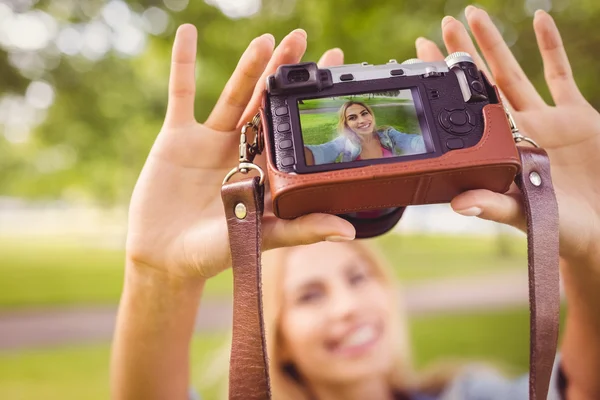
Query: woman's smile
point(356, 341)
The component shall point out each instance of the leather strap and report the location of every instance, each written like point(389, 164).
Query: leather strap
point(249, 373)
point(249, 368)
point(542, 255)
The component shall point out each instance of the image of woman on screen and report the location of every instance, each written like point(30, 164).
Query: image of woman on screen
point(360, 139)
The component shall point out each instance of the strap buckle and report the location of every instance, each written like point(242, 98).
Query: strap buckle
point(517, 136)
point(247, 151)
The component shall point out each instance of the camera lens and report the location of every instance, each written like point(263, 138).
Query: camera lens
point(298, 75)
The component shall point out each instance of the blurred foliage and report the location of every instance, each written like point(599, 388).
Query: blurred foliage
point(107, 111)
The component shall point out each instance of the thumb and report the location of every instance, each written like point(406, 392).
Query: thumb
point(311, 228)
point(485, 204)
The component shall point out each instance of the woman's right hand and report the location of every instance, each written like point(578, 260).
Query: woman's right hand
point(176, 219)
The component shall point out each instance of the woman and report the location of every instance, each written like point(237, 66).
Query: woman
point(177, 237)
point(360, 139)
point(335, 329)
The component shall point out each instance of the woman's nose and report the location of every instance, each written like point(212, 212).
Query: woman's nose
point(343, 304)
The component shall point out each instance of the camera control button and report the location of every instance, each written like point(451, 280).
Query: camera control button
point(455, 144)
point(457, 121)
point(286, 162)
point(458, 118)
point(285, 144)
point(470, 117)
point(477, 86)
point(445, 120)
point(279, 111)
point(397, 72)
point(473, 72)
point(285, 127)
point(346, 77)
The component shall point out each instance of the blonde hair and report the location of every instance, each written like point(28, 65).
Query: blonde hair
point(342, 125)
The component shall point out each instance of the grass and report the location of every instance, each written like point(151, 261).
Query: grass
point(319, 128)
point(82, 372)
point(34, 274)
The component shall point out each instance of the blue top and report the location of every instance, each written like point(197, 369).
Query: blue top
point(482, 383)
point(343, 149)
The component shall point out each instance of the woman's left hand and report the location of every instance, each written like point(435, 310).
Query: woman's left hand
point(569, 131)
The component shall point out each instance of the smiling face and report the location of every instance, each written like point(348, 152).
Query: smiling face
point(335, 315)
point(359, 119)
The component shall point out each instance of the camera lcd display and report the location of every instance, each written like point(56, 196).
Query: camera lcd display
point(359, 127)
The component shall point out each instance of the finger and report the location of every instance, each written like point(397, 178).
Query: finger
point(290, 51)
point(506, 70)
point(428, 51)
point(485, 204)
point(456, 38)
point(182, 80)
point(311, 228)
point(239, 88)
point(331, 58)
point(557, 69)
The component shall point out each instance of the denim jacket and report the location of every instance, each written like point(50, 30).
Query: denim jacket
point(343, 149)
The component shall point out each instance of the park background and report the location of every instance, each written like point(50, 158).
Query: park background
point(82, 97)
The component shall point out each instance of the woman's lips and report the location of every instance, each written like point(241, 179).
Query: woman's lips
point(357, 341)
point(364, 126)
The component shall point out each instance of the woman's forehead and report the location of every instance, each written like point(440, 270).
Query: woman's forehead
point(354, 109)
point(320, 261)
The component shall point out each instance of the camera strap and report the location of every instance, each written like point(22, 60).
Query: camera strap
point(244, 201)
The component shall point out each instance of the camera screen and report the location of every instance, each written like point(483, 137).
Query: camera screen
point(360, 127)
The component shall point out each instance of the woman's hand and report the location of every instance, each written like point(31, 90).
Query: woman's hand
point(177, 224)
point(569, 131)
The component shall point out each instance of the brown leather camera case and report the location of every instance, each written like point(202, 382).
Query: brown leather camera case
point(492, 164)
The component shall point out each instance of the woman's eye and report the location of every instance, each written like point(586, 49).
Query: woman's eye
point(357, 278)
point(364, 113)
point(309, 297)
point(352, 118)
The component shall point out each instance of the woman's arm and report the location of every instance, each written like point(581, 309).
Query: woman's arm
point(408, 143)
point(325, 153)
point(177, 234)
point(570, 133)
point(150, 353)
point(580, 348)
point(308, 156)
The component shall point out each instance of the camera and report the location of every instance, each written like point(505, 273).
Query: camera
point(361, 140)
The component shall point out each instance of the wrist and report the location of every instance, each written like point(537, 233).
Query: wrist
point(582, 262)
point(149, 279)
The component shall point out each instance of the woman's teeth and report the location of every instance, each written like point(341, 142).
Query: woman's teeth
point(364, 126)
point(359, 337)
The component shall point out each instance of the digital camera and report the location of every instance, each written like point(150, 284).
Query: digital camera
point(363, 140)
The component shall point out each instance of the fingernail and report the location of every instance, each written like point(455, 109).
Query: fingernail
point(420, 40)
point(469, 10)
point(338, 50)
point(470, 212)
point(300, 31)
point(270, 37)
point(335, 238)
point(539, 13)
point(447, 19)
